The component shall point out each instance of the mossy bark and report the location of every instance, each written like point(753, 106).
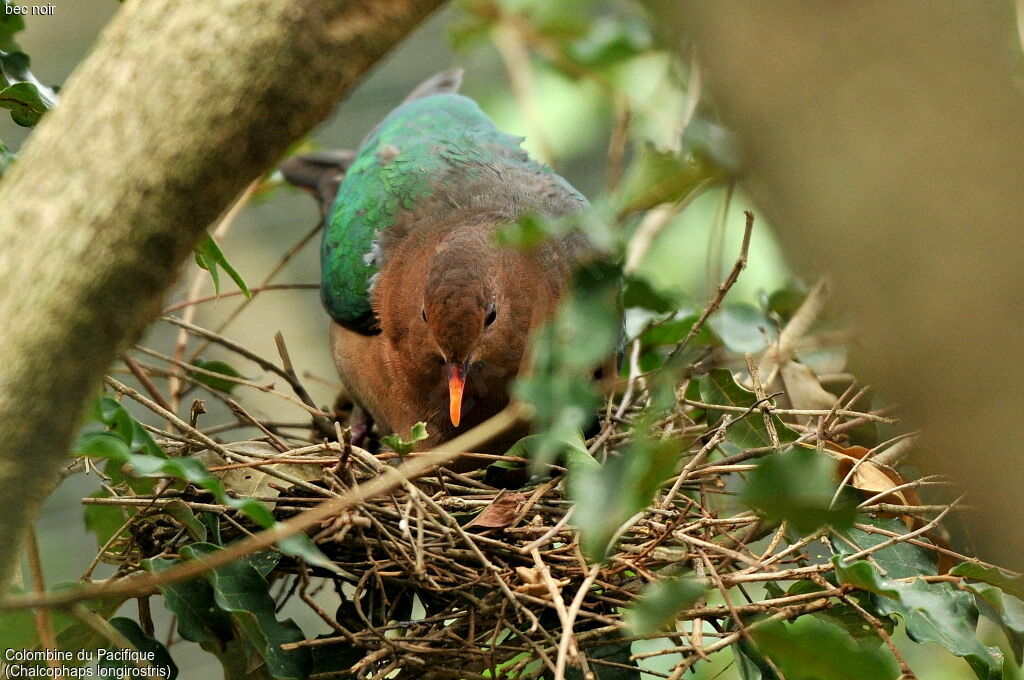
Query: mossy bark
point(179, 107)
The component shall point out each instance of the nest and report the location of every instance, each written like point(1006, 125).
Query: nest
point(453, 574)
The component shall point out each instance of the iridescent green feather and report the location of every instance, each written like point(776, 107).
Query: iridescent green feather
point(423, 148)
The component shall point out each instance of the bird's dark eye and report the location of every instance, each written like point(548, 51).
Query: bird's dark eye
point(423, 313)
point(492, 314)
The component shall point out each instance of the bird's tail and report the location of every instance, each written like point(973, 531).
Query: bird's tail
point(445, 82)
point(320, 173)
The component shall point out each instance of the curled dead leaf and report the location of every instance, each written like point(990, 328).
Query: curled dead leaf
point(873, 478)
point(804, 390)
point(501, 512)
point(533, 582)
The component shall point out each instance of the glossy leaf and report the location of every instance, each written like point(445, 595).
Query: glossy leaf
point(998, 594)
point(810, 649)
point(932, 612)
point(750, 431)
point(976, 572)
point(109, 412)
point(199, 618)
point(20, 92)
point(209, 256)
point(161, 659)
point(183, 515)
point(798, 486)
point(900, 560)
point(660, 602)
point(1006, 610)
point(216, 383)
point(244, 594)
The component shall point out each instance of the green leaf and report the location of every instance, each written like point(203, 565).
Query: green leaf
point(10, 24)
point(589, 324)
point(786, 301)
point(25, 97)
point(184, 516)
point(161, 659)
point(199, 618)
point(608, 495)
point(655, 177)
point(660, 602)
point(524, 235)
point(611, 39)
point(639, 292)
point(104, 520)
point(752, 664)
point(331, 658)
point(900, 560)
point(402, 446)
point(572, 450)
point(264, 561)
point(976, 572)
point(750, 431)
point(126, 436)
point(672, 332)
point(110, 413)
point(209, 256)
point(613, 650)
point(810, 649)
point(743, 328)
point(243, 593)
point(1006, 610)
point(841, 614)
point(17, 626)
point(566, 351)
point(74, 635)
point(216, 366)
point(997, 592)
point(798, 487)
point(932, 612)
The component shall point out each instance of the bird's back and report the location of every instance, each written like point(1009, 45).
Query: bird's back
point(436, 159)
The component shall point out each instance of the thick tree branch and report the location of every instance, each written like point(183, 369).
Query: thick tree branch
point(177, 109)
point(884, 141)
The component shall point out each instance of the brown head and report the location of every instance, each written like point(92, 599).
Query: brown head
point(460, 305)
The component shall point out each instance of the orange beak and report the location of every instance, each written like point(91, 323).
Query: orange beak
point(456, 383)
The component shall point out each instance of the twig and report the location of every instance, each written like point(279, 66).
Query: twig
point(392, 478)
point(44, 625)
point(723, 288)
point(322, 423)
